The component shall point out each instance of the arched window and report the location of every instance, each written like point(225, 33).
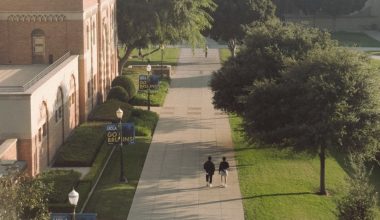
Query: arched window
point(38, 46)
point(59, 106)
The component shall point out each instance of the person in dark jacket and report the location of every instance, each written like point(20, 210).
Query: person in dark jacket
point(223, 171)
point(209, 167)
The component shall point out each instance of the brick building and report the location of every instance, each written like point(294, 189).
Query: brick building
point(57, 61)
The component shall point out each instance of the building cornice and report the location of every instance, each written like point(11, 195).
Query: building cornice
point(48, 16)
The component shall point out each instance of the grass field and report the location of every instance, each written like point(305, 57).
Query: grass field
point(112, 199)
point(224, 54)
point(350, 39)
point(170, 57)
point(278, 184)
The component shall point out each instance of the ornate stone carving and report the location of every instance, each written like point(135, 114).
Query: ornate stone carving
point(36, 18)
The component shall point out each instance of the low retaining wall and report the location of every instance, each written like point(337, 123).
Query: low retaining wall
point(165, 71)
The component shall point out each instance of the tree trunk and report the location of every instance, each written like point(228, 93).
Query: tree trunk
point(123, 60)
point(232, 47)
point(322, 158)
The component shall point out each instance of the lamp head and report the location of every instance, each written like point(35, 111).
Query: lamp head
point(148, 68)
point(119, 113)
point(73, 197)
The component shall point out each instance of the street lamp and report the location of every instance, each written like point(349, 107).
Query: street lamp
point(73, 199)
point(148, 69)
point(162, 47)
point(119, 115)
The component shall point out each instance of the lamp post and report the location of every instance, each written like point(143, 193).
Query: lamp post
point(119, 115)
point(148, 69)
point(162, 47)
point(73, 199)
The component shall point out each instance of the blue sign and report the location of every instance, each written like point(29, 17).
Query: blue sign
point(113, 134)
point(69, 216)
point(153, 82)
point(128, 133)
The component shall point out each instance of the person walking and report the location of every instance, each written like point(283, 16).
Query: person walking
point(223, 171)
point(206, 50)
point(209, 167)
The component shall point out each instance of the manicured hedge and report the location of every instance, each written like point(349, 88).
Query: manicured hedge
point(61, 182)
point(118, 93)
point(127, 83)
point(82, 146)
point(145, 121)
point(107, 111)
point(65, 180)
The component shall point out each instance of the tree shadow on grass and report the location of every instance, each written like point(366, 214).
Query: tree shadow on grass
point(280, 194)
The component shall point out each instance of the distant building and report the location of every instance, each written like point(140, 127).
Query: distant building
point(367, 18)
point(57, 61)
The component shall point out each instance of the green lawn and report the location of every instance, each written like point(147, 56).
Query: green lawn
point(350, 39)
point(170, 57)
point(278, 184)
point(112, 198)
point(224, 54)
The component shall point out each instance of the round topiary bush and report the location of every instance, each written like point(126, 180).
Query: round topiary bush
point(127, 83)
point(118, 93)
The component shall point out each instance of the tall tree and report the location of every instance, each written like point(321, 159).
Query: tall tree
point(329, 99)
point(231, 17)
point(145, 22)
point(267, 48)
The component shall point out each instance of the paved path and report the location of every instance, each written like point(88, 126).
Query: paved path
point(172, 183)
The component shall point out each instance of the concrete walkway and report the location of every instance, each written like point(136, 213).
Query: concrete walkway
point(172, 183)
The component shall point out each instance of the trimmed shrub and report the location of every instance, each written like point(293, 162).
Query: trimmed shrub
point(127, 83)
point(62, 182)
point(118, 93)
point(82, 146)
point(145, 122)
point(107, 111)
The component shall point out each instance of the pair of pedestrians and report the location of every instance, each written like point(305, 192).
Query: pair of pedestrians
point(209, 167)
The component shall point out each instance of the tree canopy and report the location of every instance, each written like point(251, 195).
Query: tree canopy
point(23, 198)
point(231, 17)
point(267, 48)
point(145, 22)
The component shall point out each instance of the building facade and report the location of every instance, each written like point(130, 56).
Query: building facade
point(57, 61)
